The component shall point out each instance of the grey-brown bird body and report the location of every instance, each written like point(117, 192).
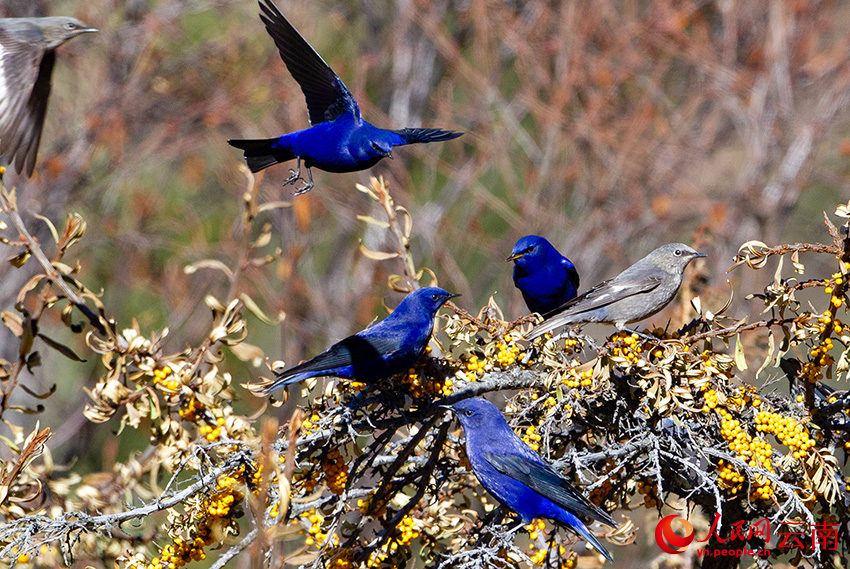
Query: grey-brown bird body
point(26, 63)
point(637, 293)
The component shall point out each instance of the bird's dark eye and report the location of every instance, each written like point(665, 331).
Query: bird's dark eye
point(468, 412)
point(678, 252)
point(376, 147)
point(435, 297)
point(70, 26)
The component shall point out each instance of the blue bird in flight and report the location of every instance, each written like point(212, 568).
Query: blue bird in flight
point(516, 475)
point(382, 350)
point(339, 140)
point(545, 278)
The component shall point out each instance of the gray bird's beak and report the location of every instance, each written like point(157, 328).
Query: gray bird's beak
point(89, 30)
point(453, 295)
point(698, 255)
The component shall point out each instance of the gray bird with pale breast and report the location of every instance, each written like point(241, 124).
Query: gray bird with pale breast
point(27, 55)
point(637, 293)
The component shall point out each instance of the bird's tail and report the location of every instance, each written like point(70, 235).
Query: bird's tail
point(260, 152)
point(593, 540)
point(283, 379)
point(576, 525)
point(414, 135)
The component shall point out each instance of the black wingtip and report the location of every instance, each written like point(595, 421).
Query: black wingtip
point(423, 135)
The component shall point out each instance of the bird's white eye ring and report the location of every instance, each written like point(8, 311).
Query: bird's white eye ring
point(70, 25)
point(678, 252)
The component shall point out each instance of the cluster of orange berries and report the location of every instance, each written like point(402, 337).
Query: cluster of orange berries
point(408, 533)
point(532, 438)
point(649, 491)
point(219, 505)
point(190, 409)
point(160, 376)
point(837, 280)
point(577, 379)
point(506, 354)
point(365, 505)
point(475, 367)
point(317, 537)
point(629, 349)
point(211, 433)
point(336, 471)
point(729, 476)
point(754, 451)
point(339, 558)
point(787, 430)
point(310, 424)
point(420, 386)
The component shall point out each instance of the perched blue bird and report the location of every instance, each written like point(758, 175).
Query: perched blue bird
point(382, 350)
point(545, 278)
point(517, 476)
point(339, 140)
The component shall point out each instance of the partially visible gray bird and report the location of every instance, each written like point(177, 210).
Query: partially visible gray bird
point(637, 293)
point(27, 55)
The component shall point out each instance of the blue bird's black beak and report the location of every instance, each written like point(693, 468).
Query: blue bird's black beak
point(516, 256)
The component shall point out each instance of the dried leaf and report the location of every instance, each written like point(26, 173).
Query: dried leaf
point(376, 255)
point(20, 259)
point(256, 311)
point(61, 348)
point(740, 360)
point(372, 221)
point(208, 264)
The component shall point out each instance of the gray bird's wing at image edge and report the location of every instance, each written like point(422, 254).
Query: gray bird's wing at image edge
point(24, 88)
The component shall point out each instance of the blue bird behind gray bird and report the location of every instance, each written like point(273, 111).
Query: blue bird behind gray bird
point(339, 140)
point(545, 278)
point(637, 293)
point(382, 350)
point(516, 475)
point(27, 56)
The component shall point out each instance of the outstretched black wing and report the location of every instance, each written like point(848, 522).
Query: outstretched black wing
point(326, 94)
point(545, 481)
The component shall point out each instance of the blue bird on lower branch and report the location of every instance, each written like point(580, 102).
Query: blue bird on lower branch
point(339, 140)
point(516, 475)
point(545, 278)
point(382, 350)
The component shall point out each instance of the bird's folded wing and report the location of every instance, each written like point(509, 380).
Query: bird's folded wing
point(326, 94)
point(24, 87)
point(605, 293)
point(350, 351)
point(545, 481)
point(572, 272)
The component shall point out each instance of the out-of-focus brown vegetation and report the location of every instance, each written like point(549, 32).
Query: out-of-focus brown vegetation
point(610, 128)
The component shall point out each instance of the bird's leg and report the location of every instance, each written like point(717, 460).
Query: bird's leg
point(294, 175)
point(641, 334)
point(308, 184)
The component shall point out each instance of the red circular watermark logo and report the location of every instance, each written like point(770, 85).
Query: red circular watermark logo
point(670, 541)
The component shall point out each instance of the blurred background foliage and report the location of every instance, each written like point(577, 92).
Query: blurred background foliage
point(609, 127)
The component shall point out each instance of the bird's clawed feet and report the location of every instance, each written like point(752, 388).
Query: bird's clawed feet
point(295, 175)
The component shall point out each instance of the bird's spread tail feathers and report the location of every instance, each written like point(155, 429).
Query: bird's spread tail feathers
point(260, 154)
point(414, 135)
